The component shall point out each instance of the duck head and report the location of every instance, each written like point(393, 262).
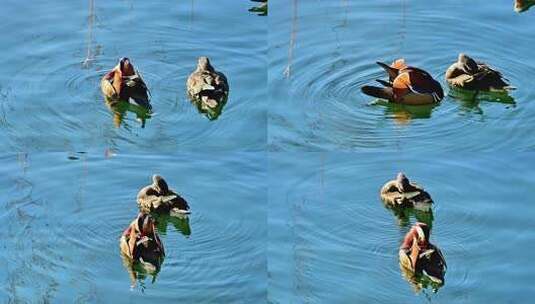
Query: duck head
point(159, 184)
point(403, 182)
point(126, 67)
point(203, 64)
point(123, 69)
point(467, 64)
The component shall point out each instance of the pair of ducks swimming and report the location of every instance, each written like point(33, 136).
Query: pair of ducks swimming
point(417, 256)
point(414, 86)
point(206, 87)
point(139, 242)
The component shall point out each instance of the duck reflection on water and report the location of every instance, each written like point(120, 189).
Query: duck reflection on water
point(179, 222)
point(121, 108)
point(403, 114)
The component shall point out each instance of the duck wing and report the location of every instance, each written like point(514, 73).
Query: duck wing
point(194, 84)
point(107, 88)
point(421, 82)
point(136, 91)
point(199, 82)
point(490, 78)
point(148, 199)
point(432, 264)
point(405, 260)
point(457, 77)
point(178, 202)
point(221, 82)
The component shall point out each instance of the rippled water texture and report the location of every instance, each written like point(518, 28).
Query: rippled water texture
point(322, 52)
point(63, 215)
point(332, 241)
point(53, 56)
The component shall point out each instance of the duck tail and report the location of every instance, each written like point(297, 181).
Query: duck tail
point(383, 93)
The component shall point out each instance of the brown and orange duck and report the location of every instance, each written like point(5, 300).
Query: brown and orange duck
point(141, 245)
point(420, 259)
point(406, 85)
point(124, 83)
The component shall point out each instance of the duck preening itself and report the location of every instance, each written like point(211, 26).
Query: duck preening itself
point(207, 87)
point(403, 193)
point(406, 85)
point(141, 244)
point(124, 83)
point(419, 257)
point(468, 74)
point(157, 197)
